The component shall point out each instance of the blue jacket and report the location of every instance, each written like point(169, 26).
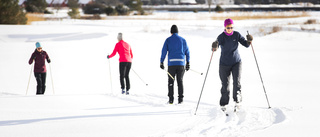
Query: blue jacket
point(178, 50)
point(229, 48)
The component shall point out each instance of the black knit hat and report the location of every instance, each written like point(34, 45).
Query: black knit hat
point(174, 29)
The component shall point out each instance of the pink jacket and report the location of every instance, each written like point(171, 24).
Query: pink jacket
point(124, 51)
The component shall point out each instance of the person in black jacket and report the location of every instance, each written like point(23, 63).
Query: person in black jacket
point(230, 61)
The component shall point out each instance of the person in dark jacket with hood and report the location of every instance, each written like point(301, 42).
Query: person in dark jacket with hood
point(230, 62)
point(40, 72)
point(178, 55)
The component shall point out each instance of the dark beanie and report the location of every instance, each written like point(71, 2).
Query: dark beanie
point(174, 29)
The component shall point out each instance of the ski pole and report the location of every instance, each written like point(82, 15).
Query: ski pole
point(139, 77)
point(51, 78)
point(195, 113)
point(169, 74)
point(196, 71)
point(29, 79)
point(110, 75)
point(260, 74)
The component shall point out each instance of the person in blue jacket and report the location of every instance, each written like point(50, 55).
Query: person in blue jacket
point(230, 62)
point(178, 55)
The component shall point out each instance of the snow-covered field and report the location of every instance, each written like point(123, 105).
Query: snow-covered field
point(85, 104)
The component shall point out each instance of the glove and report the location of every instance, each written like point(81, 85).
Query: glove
point(48, 60)
point(249, 38)
point(187, 66)
point(161, 65)
point(108, 57)
point(215, 45)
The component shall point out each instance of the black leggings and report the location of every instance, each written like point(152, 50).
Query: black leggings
point(41, 82)
point(124, 68)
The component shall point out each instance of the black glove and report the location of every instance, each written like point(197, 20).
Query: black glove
point(187, 66)
point(161, 65)
point(215, 45)
point(249, 38)
point(108, 57)
point(48, 60)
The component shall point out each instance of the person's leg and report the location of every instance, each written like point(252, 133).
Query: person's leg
point(224, 72)
point(39, 82)
point(43, 80)
point(180, 73)
point(126, 76)
point(122, 73)
point(172, 71)
point(236, 75)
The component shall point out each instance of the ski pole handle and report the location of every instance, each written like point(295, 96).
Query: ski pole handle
point(169, 74)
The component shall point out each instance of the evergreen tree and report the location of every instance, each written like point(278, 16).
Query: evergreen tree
point(38, 6)
point(11, 13)
point(74, 6)
point(122, 10)
point(136, 5)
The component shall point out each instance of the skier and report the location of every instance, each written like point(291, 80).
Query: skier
point(40, 71)
point(125, 53)
point(230, 62)
point(178, 54)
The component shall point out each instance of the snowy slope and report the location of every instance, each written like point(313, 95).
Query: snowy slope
point(84, 104)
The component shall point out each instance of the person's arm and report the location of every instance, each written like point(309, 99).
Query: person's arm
point(33, 57)
point(131, 52)
point(243, 41)
point(114, 51)
point(48, 59)
point(163, 54)
point(187, 53)
point(216, 43)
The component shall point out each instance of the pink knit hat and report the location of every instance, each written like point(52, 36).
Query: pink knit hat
point(227, 22)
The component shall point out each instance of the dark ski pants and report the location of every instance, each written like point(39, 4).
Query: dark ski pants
point(224, 72)
point(178, 72)
point(41, 82)
point(124, 68)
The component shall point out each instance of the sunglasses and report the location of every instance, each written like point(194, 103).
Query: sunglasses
point(229, 27)
point(39, 48)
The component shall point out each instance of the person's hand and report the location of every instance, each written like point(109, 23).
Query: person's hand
point(249, 38)
point(215, 45)
point(49, 60)
point(108, 57)
point(161, 65)
point(187, 66)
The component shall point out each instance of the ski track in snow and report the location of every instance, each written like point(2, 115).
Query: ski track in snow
point(210, 120)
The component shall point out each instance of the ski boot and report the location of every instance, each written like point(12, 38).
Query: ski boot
point(224, 110)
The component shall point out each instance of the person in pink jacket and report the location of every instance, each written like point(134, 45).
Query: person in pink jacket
point(125, 53)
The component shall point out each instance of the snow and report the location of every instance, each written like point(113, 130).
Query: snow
point(84, 104)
